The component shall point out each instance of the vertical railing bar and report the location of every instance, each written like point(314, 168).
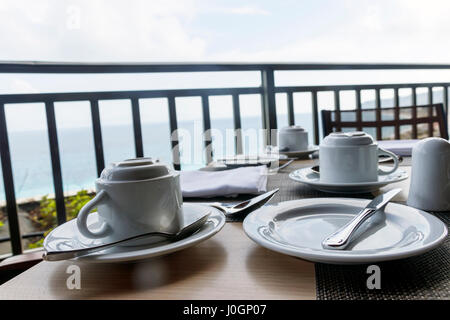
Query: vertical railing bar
point(56, 162)
point(414, 112)
point(207, 128)
point(237, 124)
point(174, 132)
point(397, 113)
point(445, 93)
point(337, 109)
point(445, 98)
point(290, 106)
point(269, 105)
point(315, 117)
point(430, 111)
point(138, 145)
point(358, 108)
point(378, 113)
point(8, 183)
point(97, 133)
point(430, 95)
point(264, 116)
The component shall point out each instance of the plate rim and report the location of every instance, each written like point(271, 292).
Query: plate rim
point(323, 256)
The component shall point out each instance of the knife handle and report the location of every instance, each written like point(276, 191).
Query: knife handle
point(341, 238)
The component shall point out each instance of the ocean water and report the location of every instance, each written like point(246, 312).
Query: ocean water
point(30, 154)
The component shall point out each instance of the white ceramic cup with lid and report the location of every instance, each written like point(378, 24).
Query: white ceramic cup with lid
point(349, 157)
point(134, 196)
point(293, 138)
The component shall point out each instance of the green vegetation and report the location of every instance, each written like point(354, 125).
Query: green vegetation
point(2, 218)
point(45, 218)
point(39, 243)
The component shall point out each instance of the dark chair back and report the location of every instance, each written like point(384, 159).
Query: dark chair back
point(414, 122)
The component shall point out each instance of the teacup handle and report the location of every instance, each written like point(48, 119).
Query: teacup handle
point(389, 154)
point(83, 215)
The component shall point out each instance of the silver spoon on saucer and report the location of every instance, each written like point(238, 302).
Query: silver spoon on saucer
point(75, 253)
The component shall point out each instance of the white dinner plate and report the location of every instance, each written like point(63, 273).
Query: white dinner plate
point(312, 178)
point(301, 153)
point(67, 235)
point(298, 227)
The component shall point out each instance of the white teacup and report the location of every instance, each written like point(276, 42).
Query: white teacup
point(351, 157)
point(430, 175)
point(293, 138)
point(134, 197)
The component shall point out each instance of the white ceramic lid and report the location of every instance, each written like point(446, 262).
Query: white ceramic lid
point(134, 170)
point(293, 129)
point(357, 138)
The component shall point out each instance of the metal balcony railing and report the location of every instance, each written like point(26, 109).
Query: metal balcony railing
point(267, 91)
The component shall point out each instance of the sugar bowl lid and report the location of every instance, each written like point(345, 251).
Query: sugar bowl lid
point(357, 138)
point(134, 170)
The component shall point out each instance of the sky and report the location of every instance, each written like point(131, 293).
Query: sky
point(215, 31)
point(195, 30)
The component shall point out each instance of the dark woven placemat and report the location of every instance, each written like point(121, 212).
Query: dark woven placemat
point(423, 277)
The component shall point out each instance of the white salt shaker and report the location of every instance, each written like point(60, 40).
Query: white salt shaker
point(430, 176)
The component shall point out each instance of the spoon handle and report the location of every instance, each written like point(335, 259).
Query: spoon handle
point(75, 253)
point(282, 166)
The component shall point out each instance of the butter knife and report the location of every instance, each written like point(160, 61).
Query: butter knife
point(340, 239)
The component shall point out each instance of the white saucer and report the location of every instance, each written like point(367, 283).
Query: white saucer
point(301, 153)
point(312, 178)
point(298, 227)
point(67, 236)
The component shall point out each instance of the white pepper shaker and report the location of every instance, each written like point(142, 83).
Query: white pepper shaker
point(430, 175)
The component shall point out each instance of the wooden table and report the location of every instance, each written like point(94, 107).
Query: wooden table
point(227, 266)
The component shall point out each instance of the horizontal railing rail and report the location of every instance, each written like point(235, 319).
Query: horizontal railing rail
point(77, 67)
point(267, 90)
